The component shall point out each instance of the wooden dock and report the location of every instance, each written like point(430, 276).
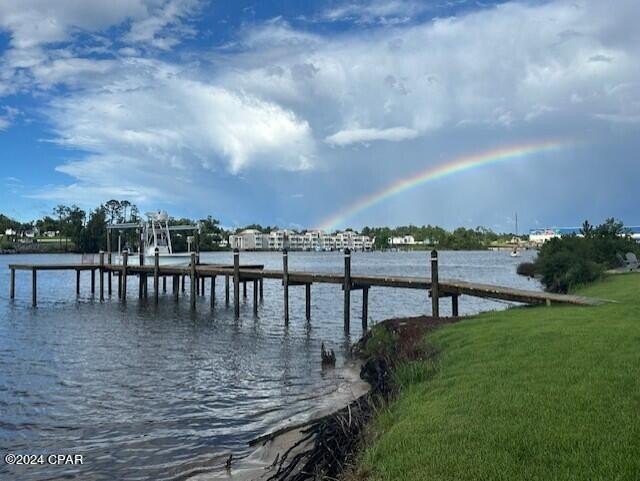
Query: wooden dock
point(238, 274)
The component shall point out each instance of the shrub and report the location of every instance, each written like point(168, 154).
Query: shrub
point(571, 261)
point(526, 269)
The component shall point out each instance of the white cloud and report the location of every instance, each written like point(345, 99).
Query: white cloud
point(386, 12)
point(281, 98)
point(394, 134)
point(34, 22)
point(165, 27)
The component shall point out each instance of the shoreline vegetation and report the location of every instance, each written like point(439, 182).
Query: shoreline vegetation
point(567, 263)
point(72, 229)
point(528, 393)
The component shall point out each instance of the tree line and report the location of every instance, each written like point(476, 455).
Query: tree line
point(458, 239)
point(77, 230)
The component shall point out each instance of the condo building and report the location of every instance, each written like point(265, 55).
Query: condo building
point(314, 240)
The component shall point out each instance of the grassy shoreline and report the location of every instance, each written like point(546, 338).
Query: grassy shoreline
point(528, 393)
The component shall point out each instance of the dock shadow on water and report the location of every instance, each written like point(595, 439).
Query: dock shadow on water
point(145, 392)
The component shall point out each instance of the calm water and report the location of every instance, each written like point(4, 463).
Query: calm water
point(163, 393)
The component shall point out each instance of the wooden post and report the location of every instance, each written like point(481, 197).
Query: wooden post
point(285, 284)
point(77, 282)
point(101, 276)
point(183, 282)
point(93, 281)
point(435, 294)
point(12, 292)
point(164, 284)
point(193, 280)
point(244, 289)
point(236, 283)
point(123, 275)
point(34, 286)
point(213, 292)
point(255, 297)
point(204, 285)
point(261, 291)
point(141, 277)
point(176, 286)
point(307, 301)
point(454, 305)
point(109, 259)
point(109, 262)
point(365, 308)
point(156, 274)
point(226, 290)
point(347, 290)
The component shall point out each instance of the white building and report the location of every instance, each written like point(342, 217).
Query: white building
point(407, 240)
point(248, 240)
point(313, 240)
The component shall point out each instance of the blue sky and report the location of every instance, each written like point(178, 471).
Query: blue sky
point(284, 112)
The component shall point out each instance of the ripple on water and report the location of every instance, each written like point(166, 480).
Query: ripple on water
point(163, 393)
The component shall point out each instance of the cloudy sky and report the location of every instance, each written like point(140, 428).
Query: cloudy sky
point(287, 112)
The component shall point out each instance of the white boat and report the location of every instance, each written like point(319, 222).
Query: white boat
point(155, 233)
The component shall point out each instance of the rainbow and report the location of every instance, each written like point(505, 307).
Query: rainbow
point(452, 167)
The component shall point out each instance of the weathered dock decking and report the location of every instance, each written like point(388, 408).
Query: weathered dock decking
point(241, 274)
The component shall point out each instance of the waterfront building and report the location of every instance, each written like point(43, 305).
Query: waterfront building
point(407, 240)
point(247, 240)
point(540, 236)
point(313, 240)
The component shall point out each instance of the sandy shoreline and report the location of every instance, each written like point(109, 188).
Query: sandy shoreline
point(257, 465)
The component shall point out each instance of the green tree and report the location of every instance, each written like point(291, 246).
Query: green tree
point(94, 234)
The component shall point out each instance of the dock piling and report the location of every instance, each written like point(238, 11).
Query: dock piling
point(93, 282)
point(285, 284)
point(365, 308)
point(101, 271)
point(226, 290)
point(77, 282)
point(34, 286)
point(141, 278)
point(109, 272)
point(213, 292)
point(193, 280)
point(261, 291)
point(123, 275)
point(435, 294)
point(255, 297)
point(307, 301)
point(164, 284)
point(454, 305)
point(347, 290)
point(156, 273)
point(236, 283)
point(12, 292)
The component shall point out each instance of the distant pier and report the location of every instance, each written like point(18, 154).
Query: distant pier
point(198, 274)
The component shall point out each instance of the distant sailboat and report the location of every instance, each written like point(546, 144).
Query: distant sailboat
point(515, 252)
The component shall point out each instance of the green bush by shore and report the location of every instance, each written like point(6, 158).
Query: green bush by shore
point(545, 393)
point(566, 263)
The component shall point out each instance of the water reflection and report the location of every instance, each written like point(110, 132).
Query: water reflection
point(147, 392)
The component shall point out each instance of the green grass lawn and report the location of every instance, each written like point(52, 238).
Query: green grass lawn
point(545, 393)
